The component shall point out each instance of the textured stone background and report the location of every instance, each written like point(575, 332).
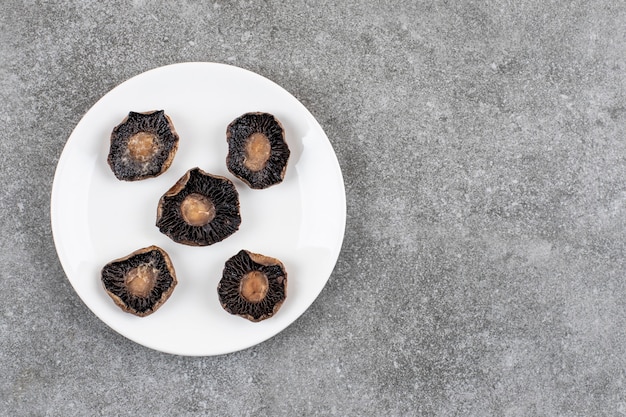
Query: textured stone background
point(483, 149)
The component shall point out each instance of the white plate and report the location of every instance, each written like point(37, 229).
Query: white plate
point(96, 218)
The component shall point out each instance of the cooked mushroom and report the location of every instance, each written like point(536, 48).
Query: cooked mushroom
point(253, 286)
point(143, 145)
point(200, 209)
point(140, 282)
point(257, 151)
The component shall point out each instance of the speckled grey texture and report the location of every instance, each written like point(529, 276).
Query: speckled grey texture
point(483, 147)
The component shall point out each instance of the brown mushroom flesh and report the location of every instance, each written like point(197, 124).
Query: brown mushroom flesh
point(140, 282)
point(200, 209)
point(257, 150)
point(253, 286)
point(142, 146)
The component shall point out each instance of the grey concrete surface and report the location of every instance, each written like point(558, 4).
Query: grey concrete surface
point(483, 147)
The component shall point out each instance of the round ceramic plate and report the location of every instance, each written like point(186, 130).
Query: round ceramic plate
point(97, 218)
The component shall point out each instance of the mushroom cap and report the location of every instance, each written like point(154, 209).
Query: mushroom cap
point(250, 267)
point(142, 146)
point(257, 150)
point(181, 219)
point(141, 282)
